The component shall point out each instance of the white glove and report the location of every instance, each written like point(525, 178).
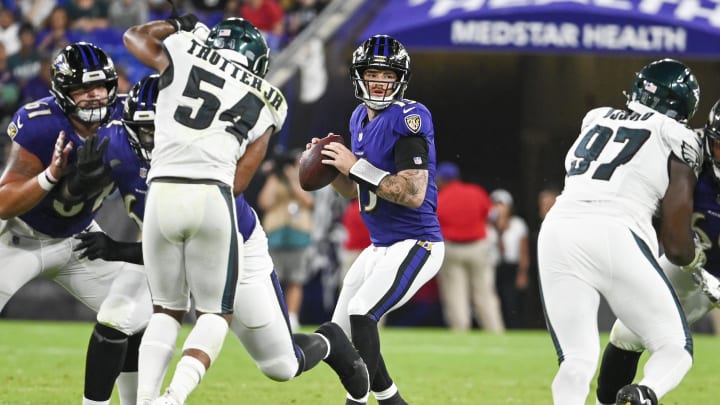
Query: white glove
point(709, 285)
point(201, 31)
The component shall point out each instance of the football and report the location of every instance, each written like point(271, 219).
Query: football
point(314, 175)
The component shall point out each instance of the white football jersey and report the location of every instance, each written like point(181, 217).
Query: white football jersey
point(208, 110)
point(618, 166)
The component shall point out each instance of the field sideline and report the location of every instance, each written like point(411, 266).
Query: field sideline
point(42, 363)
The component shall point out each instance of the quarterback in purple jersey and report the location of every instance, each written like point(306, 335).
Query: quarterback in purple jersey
point(260, 318)
point(52, 190)
point(391, 169)
point(698, 292)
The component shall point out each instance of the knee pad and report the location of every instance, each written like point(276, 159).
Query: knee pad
point(255, 305)
point(623, 338)
point(208, 335)
point(280, 368)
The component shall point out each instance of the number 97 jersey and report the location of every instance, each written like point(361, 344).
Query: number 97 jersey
point(208, 110)
point(620, 161)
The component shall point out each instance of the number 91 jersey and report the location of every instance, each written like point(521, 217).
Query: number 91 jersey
point(208, 110)
point(620, 162)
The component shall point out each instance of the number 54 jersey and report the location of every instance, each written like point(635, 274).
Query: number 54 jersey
point(618, 166)
point(208, 110)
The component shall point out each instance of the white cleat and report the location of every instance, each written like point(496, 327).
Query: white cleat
point(166, 399)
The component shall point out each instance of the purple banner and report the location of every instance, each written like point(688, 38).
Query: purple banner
point(688, 27)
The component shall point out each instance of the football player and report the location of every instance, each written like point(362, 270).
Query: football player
point(697, 292)
point(598, 237)
point(51, 191)
point(260, 318)
point(391, 169)
point(202, 155)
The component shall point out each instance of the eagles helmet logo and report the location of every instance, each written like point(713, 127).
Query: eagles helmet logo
point(413, 123)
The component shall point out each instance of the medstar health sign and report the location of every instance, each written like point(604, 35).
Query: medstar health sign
point(681, 27)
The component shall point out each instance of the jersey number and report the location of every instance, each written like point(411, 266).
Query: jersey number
point(242, 115)
point(595, 140)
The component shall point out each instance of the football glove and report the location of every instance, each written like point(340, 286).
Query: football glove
point(98, 245)
point(709, 285)
point(90, 168)
point(185, 22)
point(699, 260)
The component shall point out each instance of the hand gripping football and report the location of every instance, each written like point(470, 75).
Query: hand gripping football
point(314, 174)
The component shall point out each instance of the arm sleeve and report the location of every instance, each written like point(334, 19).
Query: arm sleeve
point(411, 152)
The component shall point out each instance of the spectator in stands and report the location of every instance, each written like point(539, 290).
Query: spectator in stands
point(55, 33)
point(9, 31)
point(287, 220)
point(467, 277)
point(268, 17)
point(25, 64)
point(35, 11)
point(87, 15)
point(512, 271)
point(39, 85)
point(9, 90)
point(126, 13)
point(300, 15)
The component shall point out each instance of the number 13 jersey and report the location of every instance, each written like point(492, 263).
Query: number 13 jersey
point(208, 110)
point(618, 165)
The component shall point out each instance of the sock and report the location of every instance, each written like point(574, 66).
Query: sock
point(388, 393)
point(188, 374)
point(154, 355)
point(382, 381)
point(91, 402)
point(314, 347)
point(105, 358)
point(294, 321)
point(127, 381)
point(366, 338)
point(617, 369)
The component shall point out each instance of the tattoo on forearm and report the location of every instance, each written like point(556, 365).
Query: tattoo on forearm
point(405, 188)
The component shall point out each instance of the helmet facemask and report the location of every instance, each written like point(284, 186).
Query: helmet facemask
point(380, 52)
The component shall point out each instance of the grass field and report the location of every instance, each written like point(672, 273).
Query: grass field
point(42, 363)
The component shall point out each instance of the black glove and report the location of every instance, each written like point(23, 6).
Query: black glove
point(185, 22)
point(97, 245)
point(90, 168)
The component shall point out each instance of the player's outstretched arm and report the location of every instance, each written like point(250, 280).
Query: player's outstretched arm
point(145, 41)
point(26, 181)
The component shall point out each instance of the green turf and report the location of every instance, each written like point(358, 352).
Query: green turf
point(42, 363)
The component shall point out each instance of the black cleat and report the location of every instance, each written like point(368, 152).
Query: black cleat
point(346, 361)
point(635, 394)
point(393, 400)
point(349, 401)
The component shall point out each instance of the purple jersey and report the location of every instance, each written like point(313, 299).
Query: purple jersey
point(706, 217)
point(129, 174)
point(35, 127)
point(375, 141)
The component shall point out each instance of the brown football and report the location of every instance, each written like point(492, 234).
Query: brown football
point(314, 175)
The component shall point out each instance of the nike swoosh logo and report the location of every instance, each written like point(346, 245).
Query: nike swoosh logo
point(19, 124)
point(407, 110)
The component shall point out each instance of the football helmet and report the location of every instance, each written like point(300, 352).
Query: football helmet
point(82, 64)
point(139, 116)
point(238, 40)
point(669, 87)
point(384, 53)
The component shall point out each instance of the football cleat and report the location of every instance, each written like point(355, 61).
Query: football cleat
point(635, 394)
point(167, 399)
point(346, 361)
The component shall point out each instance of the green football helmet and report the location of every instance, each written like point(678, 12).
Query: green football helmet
point(240, 36)
point(669, 87)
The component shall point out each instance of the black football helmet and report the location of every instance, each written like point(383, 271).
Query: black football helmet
point(82, 64)
point(669, 87)
point(139, 116)
point(384, 53)
point(248, 44)
point(712, 137)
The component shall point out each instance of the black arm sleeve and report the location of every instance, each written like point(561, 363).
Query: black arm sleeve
point(411, 152)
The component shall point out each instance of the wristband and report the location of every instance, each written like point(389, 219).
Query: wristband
point(45, 179)
point(364, 172)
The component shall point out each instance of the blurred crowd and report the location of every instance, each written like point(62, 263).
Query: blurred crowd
point(32, 32)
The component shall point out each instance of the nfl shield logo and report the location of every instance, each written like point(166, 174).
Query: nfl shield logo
point(413, 123)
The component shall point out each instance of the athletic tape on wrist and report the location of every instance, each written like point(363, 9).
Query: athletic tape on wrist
point(364, 172)
point(45, 179)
